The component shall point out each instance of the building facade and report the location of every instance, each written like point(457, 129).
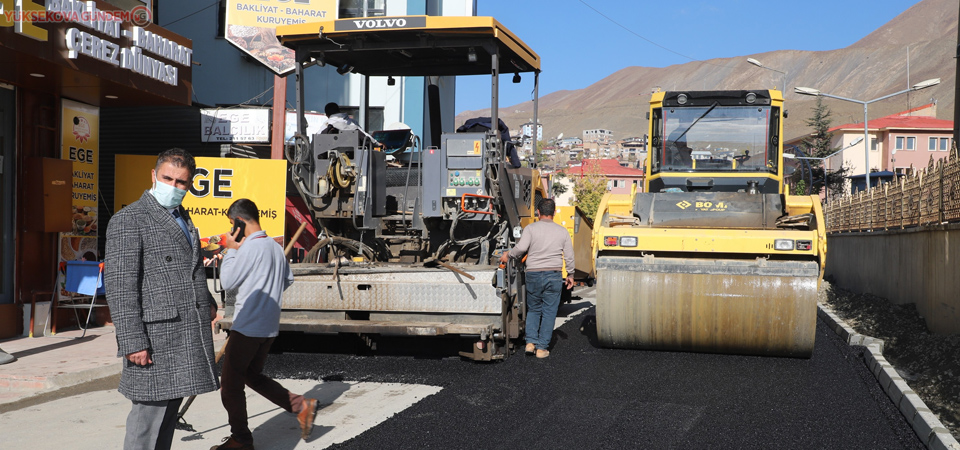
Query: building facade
point(252, 82)
point(620, 179)
point(570, 142)
point(526, 134)
point(634, 149)
point(133, 81)
point(61, 66)
point(897, 142)
point(599, 144)
point(599, 136)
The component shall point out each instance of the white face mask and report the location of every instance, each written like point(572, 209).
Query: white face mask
point(167, 196)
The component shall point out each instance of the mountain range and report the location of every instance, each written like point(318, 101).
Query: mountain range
point(872, 67)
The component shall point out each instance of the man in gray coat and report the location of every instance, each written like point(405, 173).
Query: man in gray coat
point(160, 305)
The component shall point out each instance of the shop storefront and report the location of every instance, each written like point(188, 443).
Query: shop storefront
point(60, 63)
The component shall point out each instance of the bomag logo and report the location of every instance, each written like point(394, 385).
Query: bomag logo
point(704, 206)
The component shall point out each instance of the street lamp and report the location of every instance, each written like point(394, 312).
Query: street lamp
point(825, 178)
point(760, 64)
point(556, 155)
point(866, 136)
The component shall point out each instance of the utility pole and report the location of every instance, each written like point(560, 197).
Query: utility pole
point(956, 105)
point(277, 142)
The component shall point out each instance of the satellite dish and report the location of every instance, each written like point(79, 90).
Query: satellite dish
point(560, 136)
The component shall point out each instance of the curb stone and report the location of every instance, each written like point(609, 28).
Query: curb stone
point(926, 424)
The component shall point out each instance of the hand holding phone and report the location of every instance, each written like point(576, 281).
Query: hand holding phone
point(235, 237)
point(239, 225)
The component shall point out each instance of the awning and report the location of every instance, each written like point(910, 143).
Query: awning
point(412, 45)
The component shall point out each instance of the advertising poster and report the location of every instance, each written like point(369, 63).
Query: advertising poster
point(252, 25)
point(247, 125)
point(80, 143)
point(218, 183)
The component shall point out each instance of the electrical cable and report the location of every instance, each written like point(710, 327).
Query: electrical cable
point(644, 38)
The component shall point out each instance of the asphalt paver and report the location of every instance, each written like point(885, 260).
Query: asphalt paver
point(585, 396)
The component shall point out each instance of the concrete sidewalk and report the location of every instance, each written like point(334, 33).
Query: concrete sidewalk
point(88, 420)
point(48, 363)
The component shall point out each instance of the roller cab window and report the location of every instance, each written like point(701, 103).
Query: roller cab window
point(715, 138)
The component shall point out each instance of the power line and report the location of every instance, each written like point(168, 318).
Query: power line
point(644, 38)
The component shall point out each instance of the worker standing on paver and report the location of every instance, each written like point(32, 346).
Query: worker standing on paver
point(257, 268)
point(547, 245)
point(160, 304)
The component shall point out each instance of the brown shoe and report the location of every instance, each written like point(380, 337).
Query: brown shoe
point(541, 353)
point(229, 443)
point(531, 348)
point(306, 417)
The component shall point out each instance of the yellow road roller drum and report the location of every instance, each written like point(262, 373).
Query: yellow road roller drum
point(713, 257)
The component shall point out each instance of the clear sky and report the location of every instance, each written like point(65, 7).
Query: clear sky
point(578, 46)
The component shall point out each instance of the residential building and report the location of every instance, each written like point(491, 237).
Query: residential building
point(599, 136)
point(599, 144)
point(526, 133)
point(571, 142)
point(575, 154)
point(633, 149)
point(620, 179)
point(897, 142)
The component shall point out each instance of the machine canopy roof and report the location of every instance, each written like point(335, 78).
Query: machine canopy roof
point(411, 45)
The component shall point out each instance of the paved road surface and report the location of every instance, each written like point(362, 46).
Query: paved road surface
point(581, 396)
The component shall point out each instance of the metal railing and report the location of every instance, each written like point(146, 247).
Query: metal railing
point(927, 196)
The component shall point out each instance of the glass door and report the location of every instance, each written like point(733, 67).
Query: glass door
point(8, 118)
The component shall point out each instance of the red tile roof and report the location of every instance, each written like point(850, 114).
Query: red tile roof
point(901, 121)
point(609, 167)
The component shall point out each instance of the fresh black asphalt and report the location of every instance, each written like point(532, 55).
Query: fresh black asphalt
point(585, 397)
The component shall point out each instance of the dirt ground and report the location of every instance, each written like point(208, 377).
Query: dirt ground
point(929, 363)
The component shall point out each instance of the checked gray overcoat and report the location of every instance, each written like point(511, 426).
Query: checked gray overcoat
point(158, 297)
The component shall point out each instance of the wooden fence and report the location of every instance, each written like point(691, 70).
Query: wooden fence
point(928, 196)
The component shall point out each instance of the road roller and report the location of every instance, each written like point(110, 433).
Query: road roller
point(713, 256)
